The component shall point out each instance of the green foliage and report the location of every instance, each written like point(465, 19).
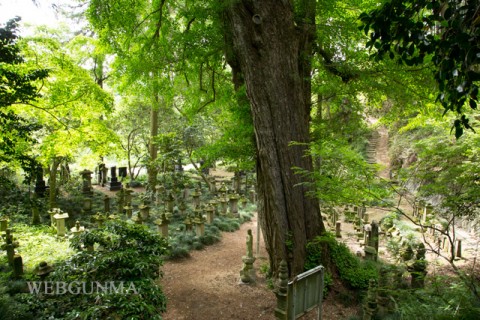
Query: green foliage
point(125, 252)
point(18, 84)
point(444, 299)
point(40, 243)
point(445, 33)
point(350, 269)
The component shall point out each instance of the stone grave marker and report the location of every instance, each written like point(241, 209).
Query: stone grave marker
point(60, 223)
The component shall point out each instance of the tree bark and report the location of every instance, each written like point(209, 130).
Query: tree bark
point(52, 183)
point(152, 169)
point(272, 54)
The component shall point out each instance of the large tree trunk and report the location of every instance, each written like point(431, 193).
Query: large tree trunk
point(272, 56)
point(152, 169)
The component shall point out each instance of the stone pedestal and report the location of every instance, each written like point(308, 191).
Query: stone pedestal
point(106, 204)
point(3, 224)
point(338, 231)
point(114, 184)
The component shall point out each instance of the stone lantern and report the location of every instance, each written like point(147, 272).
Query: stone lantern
point(144, 211)
point(233, 201)
point(210, 211)
point(196, 197)
point(60, 222)
point(162, 225)
point(77, 230)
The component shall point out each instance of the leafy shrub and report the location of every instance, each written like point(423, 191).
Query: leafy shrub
point(351, 270)
point(124, 252)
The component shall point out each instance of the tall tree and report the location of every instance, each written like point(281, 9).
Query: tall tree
point(269, 47)
point(18, 84)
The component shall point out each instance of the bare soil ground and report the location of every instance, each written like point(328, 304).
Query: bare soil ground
point(207, 285)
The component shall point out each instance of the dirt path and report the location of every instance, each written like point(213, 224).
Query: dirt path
point(207, 285)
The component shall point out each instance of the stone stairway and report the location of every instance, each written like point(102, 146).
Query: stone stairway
point(372, 147)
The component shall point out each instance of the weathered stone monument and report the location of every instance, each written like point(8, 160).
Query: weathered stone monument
point(87, 182)
point(247, 274)
point(114, 184)
point(40, 186)
point(60, 223)
point(77, 229)
point(162, 225)
point(106, 203)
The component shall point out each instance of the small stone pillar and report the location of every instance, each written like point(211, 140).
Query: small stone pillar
point(210, 211)
point(106, 204)
point(247, 274)
point(87, 182)
point(87, 204)
point(252, 195)
point(104, 175)
point(144, 211)
point(281, 292)
point(162, 225)
point(60, 222)
point(78, 229)
point(372, 241)
point(458, 252)
point(170, 202)
point(17, 266)
point(338, 231)
point(120, 200)
point(196, 197)
point(199, 223)
point(3, 224)
point(158, 195)
point(233, 202)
